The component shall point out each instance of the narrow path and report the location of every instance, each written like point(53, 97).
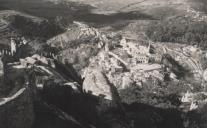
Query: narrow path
point(8, 99)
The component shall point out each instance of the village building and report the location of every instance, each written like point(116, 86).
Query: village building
point(142, 59)
point(155, 58)
point(141, 54)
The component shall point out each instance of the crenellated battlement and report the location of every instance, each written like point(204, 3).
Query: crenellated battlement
point(6, 52)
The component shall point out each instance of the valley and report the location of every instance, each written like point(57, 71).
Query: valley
point(98, 64)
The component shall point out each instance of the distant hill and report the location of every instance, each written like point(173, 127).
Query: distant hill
point(14, 23)
point(77, 9)
point(199, 5)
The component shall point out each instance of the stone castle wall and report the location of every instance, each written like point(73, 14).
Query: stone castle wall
point(17, 112)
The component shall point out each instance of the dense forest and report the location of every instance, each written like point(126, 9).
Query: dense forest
point(45, 29)
point(179, 30)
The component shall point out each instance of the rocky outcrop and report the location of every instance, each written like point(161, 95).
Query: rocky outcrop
point(96, 83)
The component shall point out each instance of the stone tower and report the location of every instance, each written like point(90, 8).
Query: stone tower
point(13, 46)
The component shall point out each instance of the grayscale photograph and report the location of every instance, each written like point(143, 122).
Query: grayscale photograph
point(103, 63)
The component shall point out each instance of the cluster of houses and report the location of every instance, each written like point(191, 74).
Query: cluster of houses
point(129, 64)
point(139, 53)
